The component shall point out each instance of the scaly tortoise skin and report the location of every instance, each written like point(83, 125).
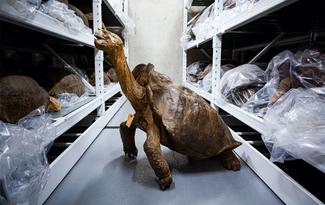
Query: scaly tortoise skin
point(20, 95)
point(171, 115)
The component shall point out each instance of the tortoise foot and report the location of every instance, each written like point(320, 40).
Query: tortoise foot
point(132, 154)
point(165, 182)
point(230, 161)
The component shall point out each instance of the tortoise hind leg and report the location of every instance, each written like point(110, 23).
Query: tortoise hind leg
point(153, 152)
point(230, 161)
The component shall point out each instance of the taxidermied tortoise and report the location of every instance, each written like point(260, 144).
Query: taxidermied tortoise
point(171, 115)
point(92, 78)
point(61, 81)
point(20, 95)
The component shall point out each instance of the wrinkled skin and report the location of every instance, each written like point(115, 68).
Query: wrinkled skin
point(170, 115)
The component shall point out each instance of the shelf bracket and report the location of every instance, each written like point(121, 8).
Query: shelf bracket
point(266, 48)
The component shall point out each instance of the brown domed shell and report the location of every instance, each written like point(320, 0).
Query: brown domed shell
point(106, 79)
point(189, 120)
point(62, 81)
point(19, 96)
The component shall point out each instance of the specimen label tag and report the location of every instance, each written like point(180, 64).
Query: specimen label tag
point(130, 120)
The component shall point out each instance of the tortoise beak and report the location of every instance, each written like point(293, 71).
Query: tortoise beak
point(99, 34)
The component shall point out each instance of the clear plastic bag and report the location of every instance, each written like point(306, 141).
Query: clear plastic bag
point(186, 38)
point(70, 99)
point(205, 26)
point(197, 71)
point(61, 12)
point(23, 163)
point(206, 83)
point(22, 8)
point(296, 127)
point(239, 84)
point(229, 4)
point(285, 71)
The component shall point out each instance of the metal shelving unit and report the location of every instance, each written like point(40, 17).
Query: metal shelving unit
point(103, 103)
point(239, 18)
point(285, 187)
point(48, 25)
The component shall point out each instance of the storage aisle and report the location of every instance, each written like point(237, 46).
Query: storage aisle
point(104, 176)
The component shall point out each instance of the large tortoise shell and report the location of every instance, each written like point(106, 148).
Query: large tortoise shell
point(20, 95)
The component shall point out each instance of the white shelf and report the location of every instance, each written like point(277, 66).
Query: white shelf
point(62, 165)
point(113, 10)
point(286, 188)
point(197, 43)
point(111, 90)
point(236, 17)
point(202, 93)
point(281, 184)
point(62, 124)
point(249, 119)
point(46, 24)
point(244, 16)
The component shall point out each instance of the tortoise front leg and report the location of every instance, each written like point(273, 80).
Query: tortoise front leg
point(127, 135)
point(154, 155)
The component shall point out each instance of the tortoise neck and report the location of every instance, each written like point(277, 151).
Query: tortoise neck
point(130, 87)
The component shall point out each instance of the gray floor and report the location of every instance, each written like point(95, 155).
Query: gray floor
point(104, 176)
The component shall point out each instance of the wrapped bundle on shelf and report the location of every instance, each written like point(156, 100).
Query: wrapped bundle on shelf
point(287, 70)
point(21, 95)
point(240, 83)
point(197, 71)
point(201, 26)
point(199, 74)
point(61, 12)
point(24, 168)
point(232, 8)
point(296, 126)
point(226, 68)
point(205, 26)
point(23, 8)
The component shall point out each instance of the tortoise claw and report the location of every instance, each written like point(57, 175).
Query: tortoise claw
point(165, 182)
point(132, 155)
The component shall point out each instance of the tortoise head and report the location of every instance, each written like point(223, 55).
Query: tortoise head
point(141, 73)
point(108, 42)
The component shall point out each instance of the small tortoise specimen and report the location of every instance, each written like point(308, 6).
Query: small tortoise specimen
point(171, 115)
point(61, 81)
point(20, 95)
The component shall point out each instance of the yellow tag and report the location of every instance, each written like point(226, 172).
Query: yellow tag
point(130, 120)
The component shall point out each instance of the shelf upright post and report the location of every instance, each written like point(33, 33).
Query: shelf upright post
point(216, 58)
point(99, 56)
point(184, 50)
point(125, 32)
